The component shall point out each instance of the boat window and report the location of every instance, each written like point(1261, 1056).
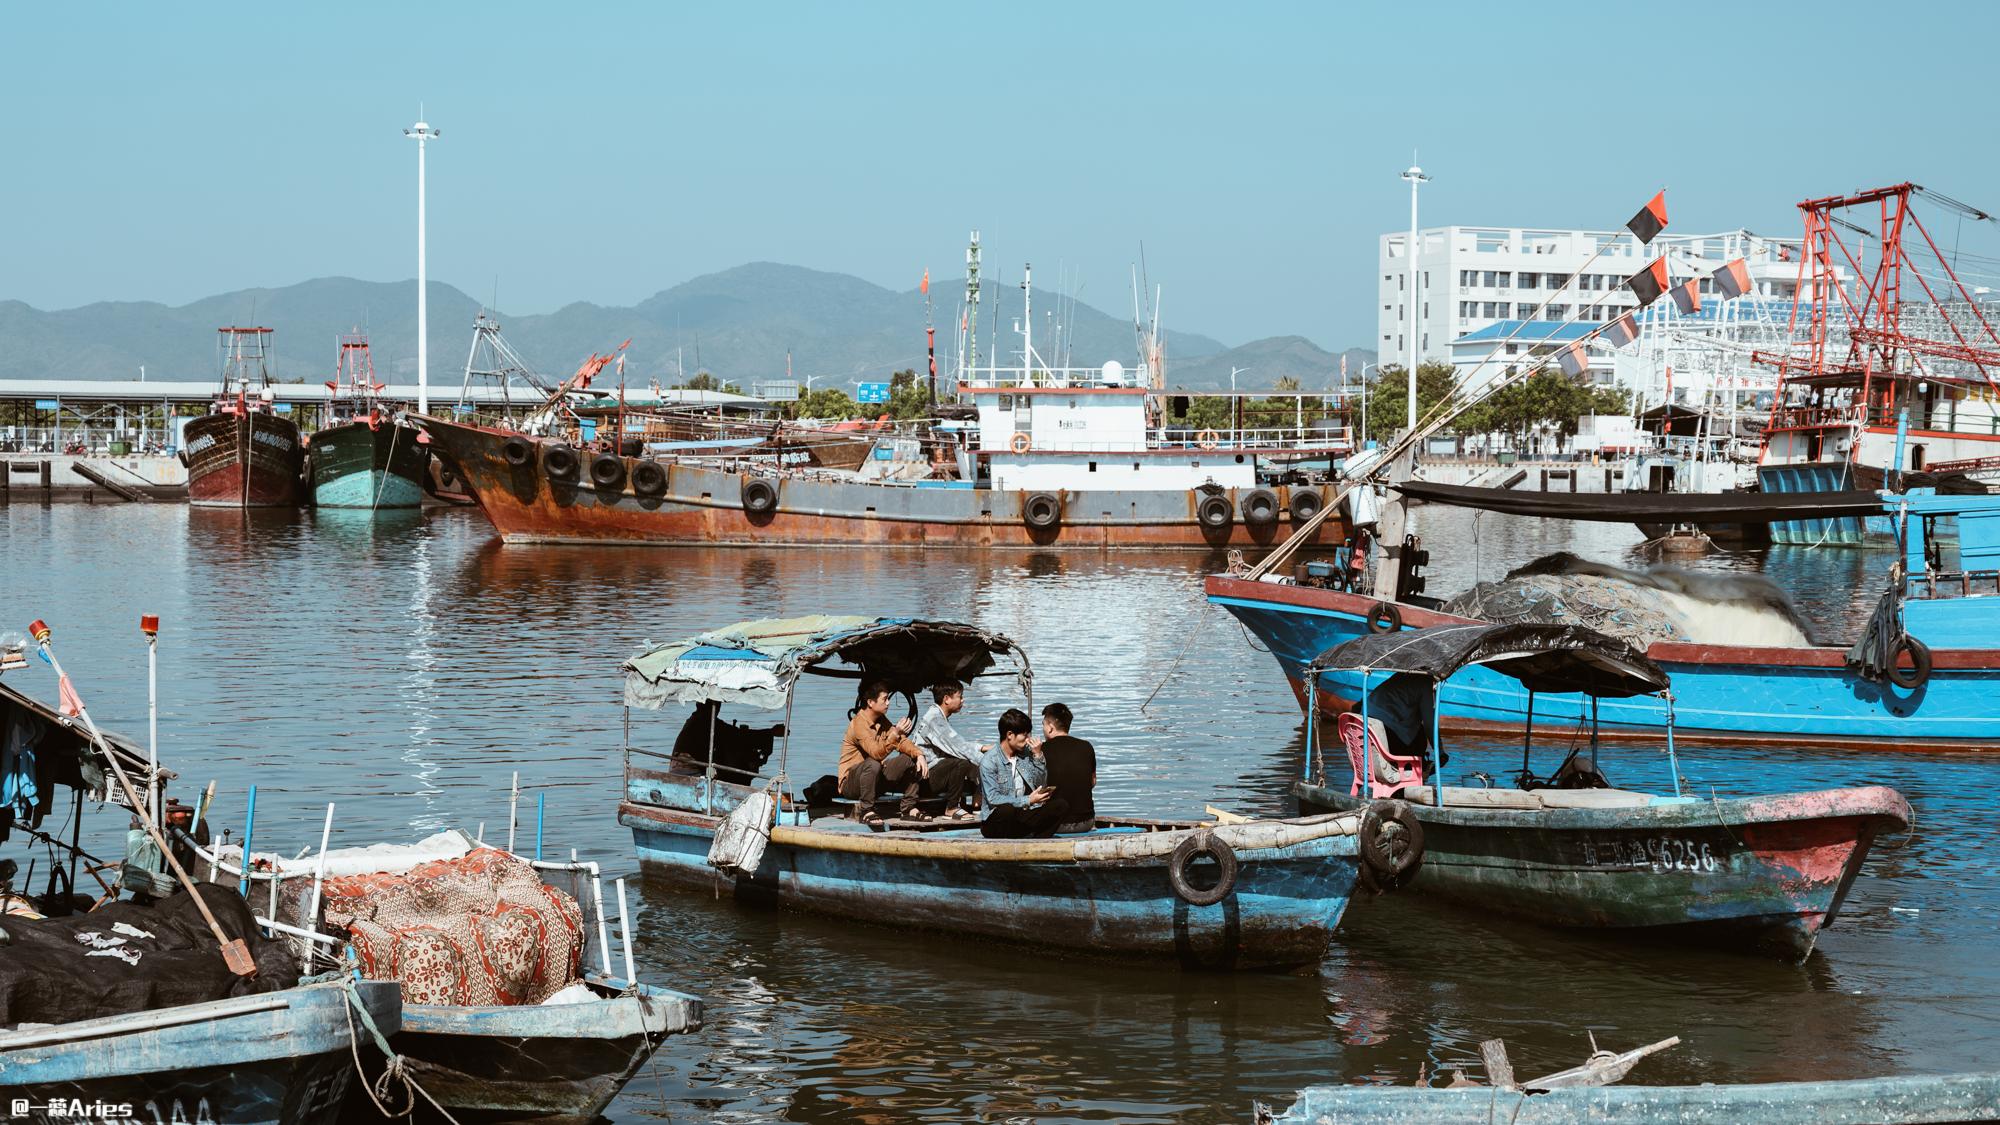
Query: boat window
point(1093, 466)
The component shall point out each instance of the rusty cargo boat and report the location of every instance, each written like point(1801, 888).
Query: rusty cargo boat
point(243, 453)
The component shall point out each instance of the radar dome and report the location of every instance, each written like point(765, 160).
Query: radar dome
point(1114, 373)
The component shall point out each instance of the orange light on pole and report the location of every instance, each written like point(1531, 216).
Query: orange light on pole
point(149, 624)
point(39, 630)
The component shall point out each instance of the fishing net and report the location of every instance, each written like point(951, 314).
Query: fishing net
point(480, 929)
point(1609, 605)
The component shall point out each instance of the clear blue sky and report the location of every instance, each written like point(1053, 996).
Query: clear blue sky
point(603, 153)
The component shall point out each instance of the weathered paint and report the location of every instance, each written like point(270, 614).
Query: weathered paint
point(1863, 1101)
point(234, 1060)
point(550, 1063)
point(215, 445)
point(355, 465)
point(1281, 914)
point(1722, 693)
point(1763, 872)
point(703, 504)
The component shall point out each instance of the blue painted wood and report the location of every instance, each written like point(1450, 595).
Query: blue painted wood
point(277, 1057)
point(1889, 1101)
point(1839, 531)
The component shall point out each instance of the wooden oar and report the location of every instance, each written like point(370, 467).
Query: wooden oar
point(235, 953)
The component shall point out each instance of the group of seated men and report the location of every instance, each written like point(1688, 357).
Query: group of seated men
point(1028, 787)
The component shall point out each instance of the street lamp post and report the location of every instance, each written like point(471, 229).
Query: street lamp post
point(1416, 177)
point(1236, 404)
point(1365, 368)
point(423, 134)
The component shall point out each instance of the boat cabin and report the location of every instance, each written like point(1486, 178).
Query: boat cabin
point(1949, 596)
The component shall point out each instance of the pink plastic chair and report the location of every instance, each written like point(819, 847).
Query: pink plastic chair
point(1399, 770)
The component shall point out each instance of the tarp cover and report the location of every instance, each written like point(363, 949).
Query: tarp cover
point(756, 662)
point(1652, 507)
point(1545, 658)
point(56, 970)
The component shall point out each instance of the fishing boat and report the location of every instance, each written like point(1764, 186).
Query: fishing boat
point(1567, 849)
point(244, 453)
point(1930, 685)
point(365, 458)
point(1126, 887)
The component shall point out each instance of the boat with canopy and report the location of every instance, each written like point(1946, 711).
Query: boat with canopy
point(1765, 872)
point(1126, 887)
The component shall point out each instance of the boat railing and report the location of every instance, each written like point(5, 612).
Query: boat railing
point(1953, 584)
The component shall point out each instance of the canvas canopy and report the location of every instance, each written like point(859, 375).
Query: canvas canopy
point(1545, 658)
point(757, 662)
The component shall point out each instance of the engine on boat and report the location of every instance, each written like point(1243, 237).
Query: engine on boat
point(1661, 603)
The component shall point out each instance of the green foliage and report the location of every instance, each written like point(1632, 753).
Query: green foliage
point(1388, 397)
point(909, 397)
point(827, 404)
point(703, 381)
point(1546, 397)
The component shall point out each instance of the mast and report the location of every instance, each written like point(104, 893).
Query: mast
point(968, 351)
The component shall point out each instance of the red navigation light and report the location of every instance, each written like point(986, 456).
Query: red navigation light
point(149, 624)
point(39, 630)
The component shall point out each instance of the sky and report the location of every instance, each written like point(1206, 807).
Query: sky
point(602, 152)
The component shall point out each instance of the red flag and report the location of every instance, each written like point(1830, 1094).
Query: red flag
point(1649, 283)
point(925, 288)
point(1622, 331)
point(1651, 219)
point(1573, 360)
point(1734, 278)
point(68, 701)
point(1687, 296)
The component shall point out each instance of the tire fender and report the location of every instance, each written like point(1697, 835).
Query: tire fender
point(1195, 846)
point(1385, 618)
point(1391, 841)
point(1919, 671)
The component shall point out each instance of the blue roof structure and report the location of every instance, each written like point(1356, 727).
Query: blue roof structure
point(1533, 331)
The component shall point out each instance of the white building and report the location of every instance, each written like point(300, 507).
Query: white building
point(1478, 278)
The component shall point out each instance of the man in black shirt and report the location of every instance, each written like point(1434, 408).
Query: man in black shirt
point(1072, 768)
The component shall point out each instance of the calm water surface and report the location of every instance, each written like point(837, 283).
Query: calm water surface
point(407, 668)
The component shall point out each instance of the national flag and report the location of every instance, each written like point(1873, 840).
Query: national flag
point(1649, 283)
point(68, 701)
point(1622, 331)
point(1734, 278)
point(925, 287)
point(1651, 219)
point(1573, 360)
point(1687, 296)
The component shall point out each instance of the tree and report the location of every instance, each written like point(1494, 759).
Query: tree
point(703, 381)
point(1388, 397)
point(826, 404)
point(908, 398)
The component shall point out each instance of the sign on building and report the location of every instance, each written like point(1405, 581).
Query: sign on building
point(777, 390)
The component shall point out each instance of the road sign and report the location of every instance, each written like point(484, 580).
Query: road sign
point(871, 392)
point(47, 404)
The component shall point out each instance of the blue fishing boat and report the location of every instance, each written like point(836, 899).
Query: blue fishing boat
point(1255, 894)
point(1927, 678)
point(1762, 873)
point(283, 1058)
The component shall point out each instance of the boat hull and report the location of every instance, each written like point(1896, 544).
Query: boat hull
point(1758, 874)
point(236, 1060)
point(703, 504)
point(1722, 693)
point(249, 460)
point(550, 1063)
point(1281, 912)
point(356, 465)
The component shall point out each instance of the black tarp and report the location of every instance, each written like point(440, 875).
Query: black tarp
point(1545, 658)
point(1652, 507)
point(48, 973)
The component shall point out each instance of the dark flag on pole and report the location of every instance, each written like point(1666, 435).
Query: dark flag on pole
point(1649, 283)
point(1574, 361)
point(1687, 296)
point(1734, 278)
point(1622, 331)
point(1651, 219)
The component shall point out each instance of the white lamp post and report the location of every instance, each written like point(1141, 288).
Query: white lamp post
point(422, 133)
point(1416, 177)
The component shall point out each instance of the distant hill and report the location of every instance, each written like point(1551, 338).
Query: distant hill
point(1264, 362)
point(737, 324)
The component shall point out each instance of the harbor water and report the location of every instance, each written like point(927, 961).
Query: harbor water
point(407, 667)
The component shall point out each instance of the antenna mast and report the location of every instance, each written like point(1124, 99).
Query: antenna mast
point(968, 349)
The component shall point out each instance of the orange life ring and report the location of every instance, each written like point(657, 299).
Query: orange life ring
point(1208, 439)
point(1020, 444)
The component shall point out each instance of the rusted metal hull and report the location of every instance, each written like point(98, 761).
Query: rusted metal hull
point(249, 460)
point(704, 504)
point(1762, 874)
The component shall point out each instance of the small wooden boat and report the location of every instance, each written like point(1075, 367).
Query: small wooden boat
point(1900, 1100)
point(283, 1058)
point(1127, 887)
point(1762, 872)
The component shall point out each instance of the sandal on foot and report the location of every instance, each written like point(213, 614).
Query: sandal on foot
point(871, 819)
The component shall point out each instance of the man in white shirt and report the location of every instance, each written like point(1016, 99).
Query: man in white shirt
point(952, 762)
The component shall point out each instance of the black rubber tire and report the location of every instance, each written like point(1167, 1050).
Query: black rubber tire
point(1306, 503)
point(1190, 849)
point(1214, 513)
point(1041, 510)
point(1385, 618)
point(607, 470)
point(560, 463)
point(516, 451)
point(1259, 507)
point(649, 479)
point(1377, 844)
point(759, 496)
point(1919, 671)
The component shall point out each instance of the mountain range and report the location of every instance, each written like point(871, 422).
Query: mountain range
point(738, 324)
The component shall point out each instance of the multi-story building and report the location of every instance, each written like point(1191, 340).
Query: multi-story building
point(1486, 295)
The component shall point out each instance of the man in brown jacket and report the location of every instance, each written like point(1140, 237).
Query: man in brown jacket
point(875, 750)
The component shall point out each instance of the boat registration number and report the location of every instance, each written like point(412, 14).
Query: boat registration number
point(1656, 853)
